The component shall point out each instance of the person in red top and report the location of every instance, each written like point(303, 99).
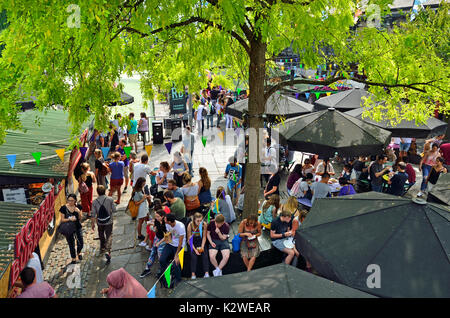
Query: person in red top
point(445, 152)
point(410, 171)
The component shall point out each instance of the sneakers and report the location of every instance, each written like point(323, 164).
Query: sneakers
point(146, 272)
point(217, 272)
point(148, 248)
point(220, 272)
point(206, 275)
point(124, 190)
point(108, 258)
point(419, 194)
point(193, 277)
point(143, 243)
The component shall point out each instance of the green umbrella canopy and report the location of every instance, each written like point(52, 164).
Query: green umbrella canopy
point(328, 131)
point(406, 128)
point(410, 243)
point(276, 281)
point(343, 101)
point(277, 104)
point(441, 191)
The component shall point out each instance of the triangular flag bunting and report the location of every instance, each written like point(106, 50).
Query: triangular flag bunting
point(307, 95)
point(127, 151)
point(60, 153)
point(167, 274)
point(317, 95)
point(204, 140)
point(152, 292)
point(11, 159)
point(37, 157)
point(105, 151)
point(148, 148)
point(200, 228)
point(191, 242)
point(221, 134)
point(168, 146)
point(181, 257)
point(209, 215)
point(329, 93)
point(238, 91)
point(83, 151)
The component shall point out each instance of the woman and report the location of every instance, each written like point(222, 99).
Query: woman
point(85, 187)
point(100, 170)
point(157, 205)
point(273, 184)
point(71, 213)
point(190, 191)
point(291, 205)
point(427, 162)
point(198, 243)
point(159, 227)
point(140, 198)
point(123, 285)
point(162, 176)
point(222, 202)
point(294, 176)
point(116, 178)
point(307, 167)
point(346, 187)
point(249, 230)
point(204, 185)
point(325, 166)
point(228, 117)
point(143, 128)
point(435, 172)
point(269, 210)
point(179, 166)
point(220, 110)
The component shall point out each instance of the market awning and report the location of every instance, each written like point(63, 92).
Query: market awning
point(343, 101)
point(276, 281)
point(441, 191)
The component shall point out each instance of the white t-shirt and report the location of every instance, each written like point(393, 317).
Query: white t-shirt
point(164, 185)
point(199, 112)
point(140, 170)
point(270, 158)
point(34, 263)
point(178, 230)
point(396, 140)
point(302, 188)
point(406, 140)
point(321, 168)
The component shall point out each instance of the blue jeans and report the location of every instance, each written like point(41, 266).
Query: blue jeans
point(425, 172)
point(209, 119)
point(155, 251)
point(376, 187)
point(167, 256)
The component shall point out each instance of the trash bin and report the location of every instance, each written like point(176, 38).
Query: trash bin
point(167, 127)
point(176, 130)
point(157, 131)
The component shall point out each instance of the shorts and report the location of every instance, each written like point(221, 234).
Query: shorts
point(126, 172)
point(279, 244)
point(405, 147)
point(132, 138)
point(220, 245)
point(116, 182)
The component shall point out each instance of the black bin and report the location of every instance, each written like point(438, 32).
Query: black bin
point(157, 131)
point(176, 130)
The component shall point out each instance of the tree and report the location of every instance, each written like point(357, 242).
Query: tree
point(72, 54)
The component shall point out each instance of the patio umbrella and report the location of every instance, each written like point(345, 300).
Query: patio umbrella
point(441, 191)
point(276, 281)
point(125, 99)
point(409, 241)
point(329, 131)
point(277, 104)
point(342, 101)
point(406, 128)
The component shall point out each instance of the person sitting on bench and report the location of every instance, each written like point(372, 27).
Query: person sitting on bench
point(217, 234)
point(281, 231)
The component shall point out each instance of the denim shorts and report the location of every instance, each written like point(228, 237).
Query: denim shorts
point(221, 245)
point(279, 244)
point(405, 147)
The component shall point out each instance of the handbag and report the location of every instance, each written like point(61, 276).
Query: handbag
point(192, 204)
point(132, 207)
point(83, 188)
point(236, 243)
point(67, 228)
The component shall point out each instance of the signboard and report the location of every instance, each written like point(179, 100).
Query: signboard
point(177, 102)
point(15, 195)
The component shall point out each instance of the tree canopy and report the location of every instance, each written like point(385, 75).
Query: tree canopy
point(71, 54)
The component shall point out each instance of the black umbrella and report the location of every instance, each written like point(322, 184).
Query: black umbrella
point(406, 128)
point(125, 99)
point(276, 281)
point(276, 105)
point(344, 238)
point(441, 191)
point(329, 131)
point(343, 101)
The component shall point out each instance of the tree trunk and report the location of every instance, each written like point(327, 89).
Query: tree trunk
point(256, 106)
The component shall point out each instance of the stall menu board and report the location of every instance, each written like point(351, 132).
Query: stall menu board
point(15, 195)
point(177, 102)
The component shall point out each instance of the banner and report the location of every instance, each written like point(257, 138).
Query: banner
point(177, 101)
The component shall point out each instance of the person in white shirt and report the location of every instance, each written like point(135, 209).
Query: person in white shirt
point(305, 185)
point(142, 169)
point(268, 160)
point(35, 262)
point(176, 240)
point(200, 121)
point(325, 166)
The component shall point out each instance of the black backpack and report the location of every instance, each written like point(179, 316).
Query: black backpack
point(103, 216)
point(308, 194)
point(204, 112)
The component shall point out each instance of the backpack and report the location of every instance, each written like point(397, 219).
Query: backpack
point(308, 194)
point(103, 216)
point(212, 109)
point(204, 112)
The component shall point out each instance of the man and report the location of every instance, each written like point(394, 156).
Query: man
point(102, 214)
point(177, 206)
point(405, 143)
point(268, 159)
point(241, 155)
point(175, 243)
point(321, 189)
point(199, 117)
point(120, 149)
point(377, 171)
point(210, 115)
point(217, 234)
point(273, 184)
point(233, 172)
point(280, 231)
point(188, 148)
point(172, 186)
point(444, 149)
point(133, 132)
point(31, 289)
point(398, 180)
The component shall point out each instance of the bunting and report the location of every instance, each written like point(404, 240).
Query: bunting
point(83, 151)
point(105, 151)
point(12, 160)
point(128, 151)
point(307, 95)
point(37, 157)
point(204, 138)
point(60, 153)
point(148, 148)
point(152, 292)
point(167, 274)
point(191, 242)
point(181, 257)
point(221, 135)
point(168, 146)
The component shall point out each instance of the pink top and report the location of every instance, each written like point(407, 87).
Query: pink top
point(430, 158)
point(41, 290)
